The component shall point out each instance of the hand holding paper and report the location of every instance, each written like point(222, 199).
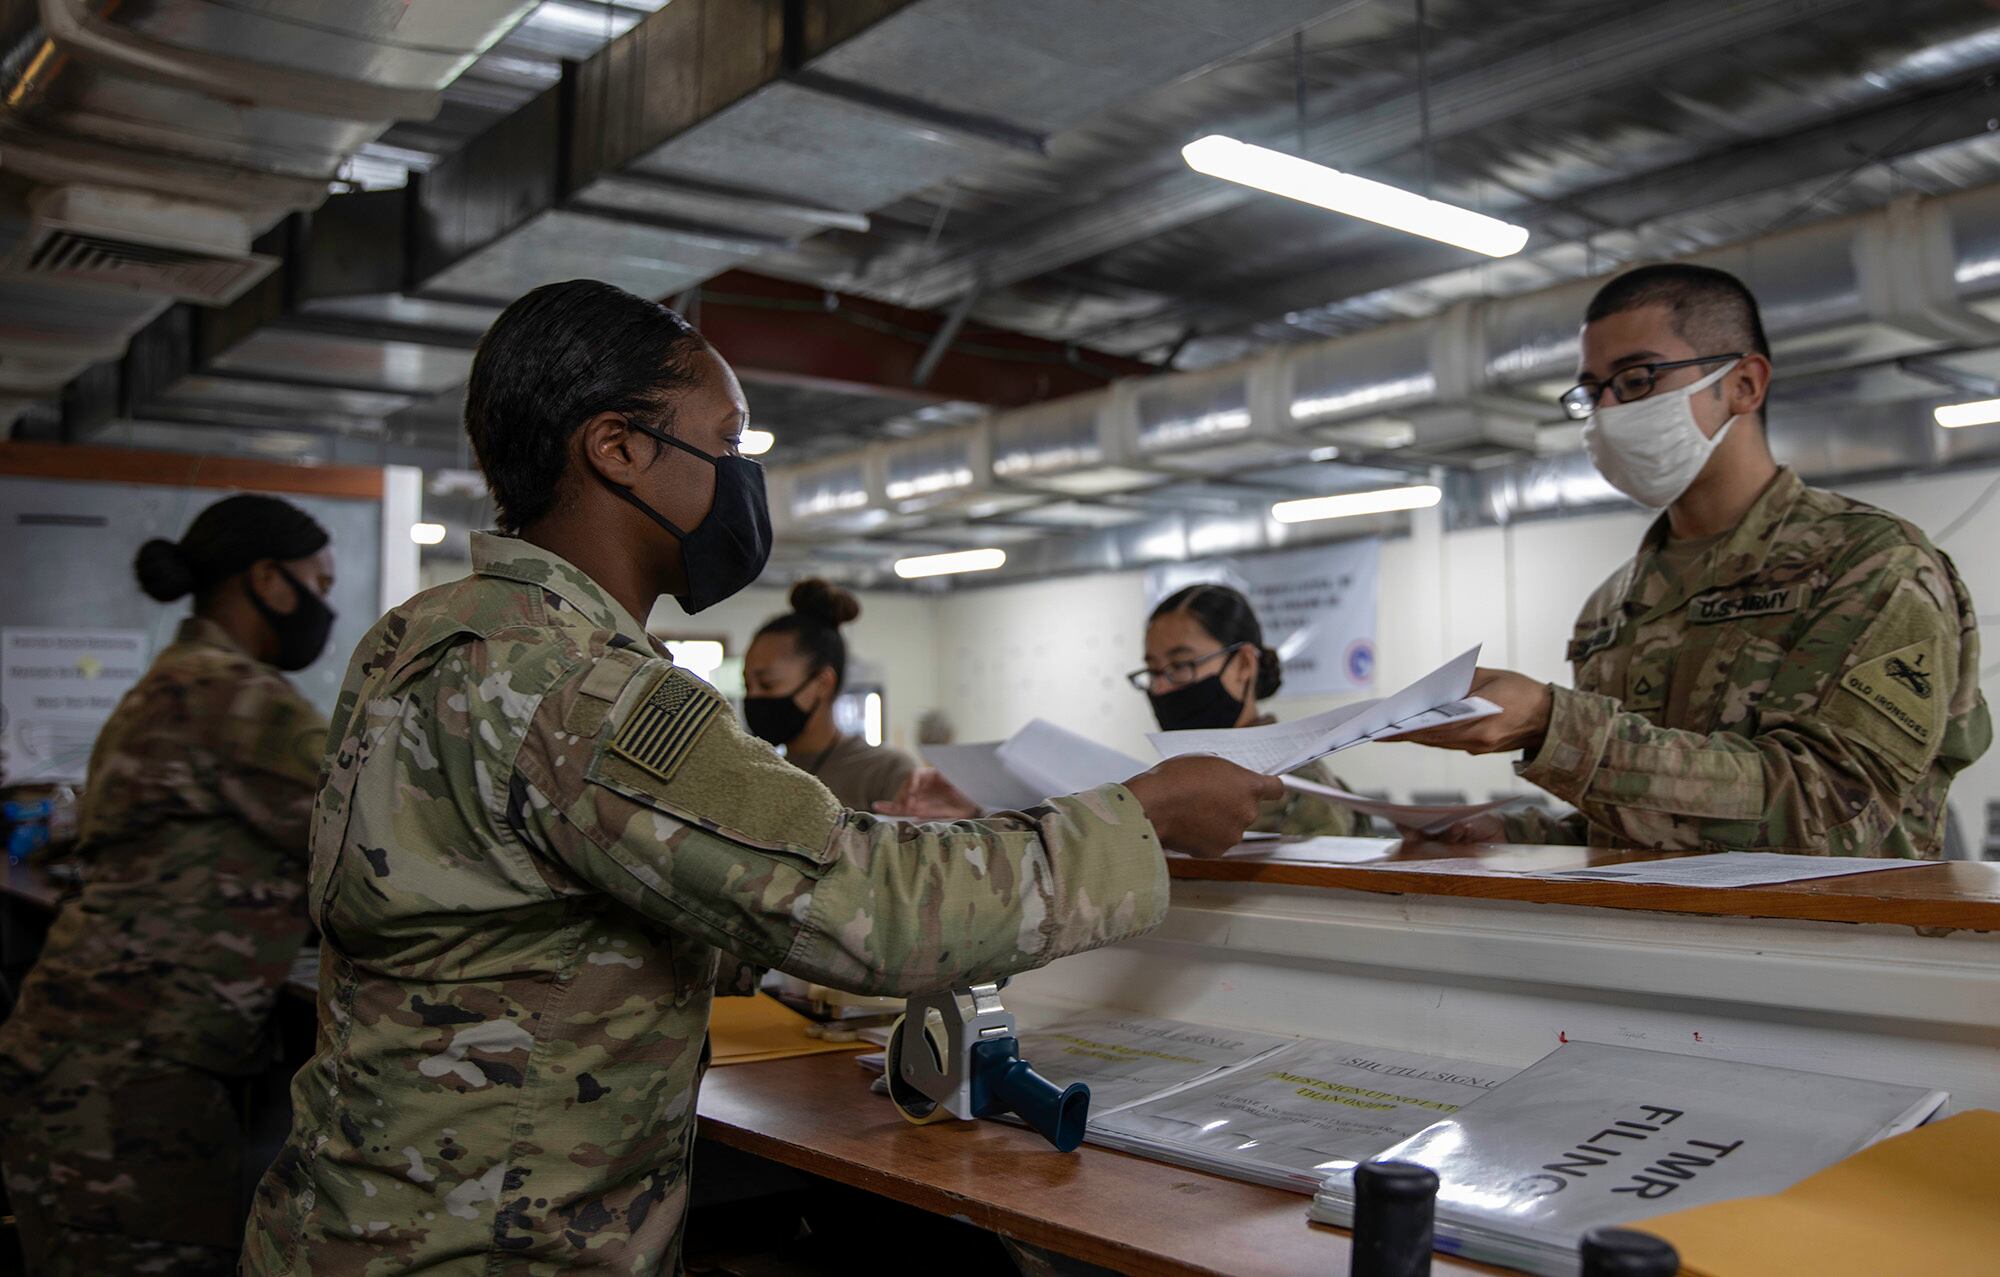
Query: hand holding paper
point(1520, 720)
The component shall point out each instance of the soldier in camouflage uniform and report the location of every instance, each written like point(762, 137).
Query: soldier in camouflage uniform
point(537, 833)
point(118, 1129)
point(1207, 667)
point(1779, 668)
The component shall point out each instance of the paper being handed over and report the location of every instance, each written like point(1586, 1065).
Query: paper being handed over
point(1438, 698)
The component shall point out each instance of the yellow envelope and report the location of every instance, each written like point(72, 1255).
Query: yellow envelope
point(744, 1030)
point(1924, 1203)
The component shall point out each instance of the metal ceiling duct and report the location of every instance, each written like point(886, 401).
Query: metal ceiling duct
point(776, 130)
point(150, 143)
point(1871, 317)
point(1079, 445)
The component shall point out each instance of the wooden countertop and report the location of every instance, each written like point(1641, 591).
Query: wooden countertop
point(1950, 895)
point(816, 1114)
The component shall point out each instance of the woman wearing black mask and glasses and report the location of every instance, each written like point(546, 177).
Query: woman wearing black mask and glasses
point(154, 995)
point(1207, 667)
point(793, 671)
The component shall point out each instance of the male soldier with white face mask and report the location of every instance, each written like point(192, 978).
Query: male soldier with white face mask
point(1778, 668)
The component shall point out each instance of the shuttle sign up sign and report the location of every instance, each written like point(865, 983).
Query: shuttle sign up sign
point(1317, 607)
point(56, 689)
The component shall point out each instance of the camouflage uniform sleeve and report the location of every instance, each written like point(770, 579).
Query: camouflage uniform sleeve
point(637, 778)
point(273, 747)
point(1840, 742)
point(1532, 825)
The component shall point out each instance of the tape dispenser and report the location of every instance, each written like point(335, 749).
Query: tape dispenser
point(954, 1054)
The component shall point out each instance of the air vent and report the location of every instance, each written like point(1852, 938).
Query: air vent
point(192, 277)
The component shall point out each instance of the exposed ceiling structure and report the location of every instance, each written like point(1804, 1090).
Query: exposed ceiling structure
point(953, 250)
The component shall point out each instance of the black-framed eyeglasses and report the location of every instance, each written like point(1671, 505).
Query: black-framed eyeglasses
point(1627, 384)
point(1176, 673)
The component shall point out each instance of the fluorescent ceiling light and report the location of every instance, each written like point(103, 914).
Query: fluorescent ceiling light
point(945, 564)
point(1288, 175)
point(1980, 412)
point(427, 533)
point(1348, 504)
point(755, 443)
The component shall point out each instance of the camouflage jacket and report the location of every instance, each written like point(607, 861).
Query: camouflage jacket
point(1810, 685)
point(193, 851)
point(535, 835)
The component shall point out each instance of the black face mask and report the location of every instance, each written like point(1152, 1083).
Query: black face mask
point(729, 548)
point(1202, 703)
point(776, 719)
point(302, 632)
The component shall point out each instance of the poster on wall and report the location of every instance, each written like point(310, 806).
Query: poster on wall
point(57, 687)
point(1317, 607)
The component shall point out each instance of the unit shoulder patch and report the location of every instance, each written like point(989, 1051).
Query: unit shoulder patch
point(1902, 687)
point(667, 722)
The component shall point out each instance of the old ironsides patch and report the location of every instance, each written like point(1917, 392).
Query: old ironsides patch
point(666, 724)
point(1737, 604)
point(1901, 687)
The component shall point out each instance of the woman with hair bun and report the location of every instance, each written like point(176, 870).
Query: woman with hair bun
point(793, 671)
point(153, 997)
point(1207, 667)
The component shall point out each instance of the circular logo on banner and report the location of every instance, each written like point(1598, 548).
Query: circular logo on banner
point(1361, 661)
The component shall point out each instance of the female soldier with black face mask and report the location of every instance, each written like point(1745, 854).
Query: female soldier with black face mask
point(118, 1127)
point(1206, 667)
point(793, 671)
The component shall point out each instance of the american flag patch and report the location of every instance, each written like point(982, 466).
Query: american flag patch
point(665, 726)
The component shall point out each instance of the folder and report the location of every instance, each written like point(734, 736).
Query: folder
point(1925, 1202)
point(745, 1030)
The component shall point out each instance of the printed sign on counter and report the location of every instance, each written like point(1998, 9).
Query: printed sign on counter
point(57, 687)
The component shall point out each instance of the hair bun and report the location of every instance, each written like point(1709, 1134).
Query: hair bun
point(1270, 672)
point(164, 571)
point(824, 601)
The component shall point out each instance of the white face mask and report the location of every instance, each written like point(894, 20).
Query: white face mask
point(1652, 449)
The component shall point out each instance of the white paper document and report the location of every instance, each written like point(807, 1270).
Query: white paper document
point(1126, 1059)
point(1438, 698)
point(978, 772)
point(1058, 761)
point(1734, 869)
point(1310, 851)
point(1424, 818)
point(1040, 761)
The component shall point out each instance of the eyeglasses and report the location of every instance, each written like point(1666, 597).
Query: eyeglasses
point(1176, 673)
point(1627, 384)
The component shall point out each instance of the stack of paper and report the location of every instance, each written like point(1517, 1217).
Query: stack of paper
point(1601, 1135)
point(1127, 1059)
point(1294, 1117)
point(1926, 1202)
point(1439, 698)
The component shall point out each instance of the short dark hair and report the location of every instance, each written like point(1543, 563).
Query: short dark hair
point(1712, 310)
point(1229, 619)
point(819, 609)
point(555, 358)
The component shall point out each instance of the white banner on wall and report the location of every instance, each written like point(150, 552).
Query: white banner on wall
point(57, 688)
point(1317, 607)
